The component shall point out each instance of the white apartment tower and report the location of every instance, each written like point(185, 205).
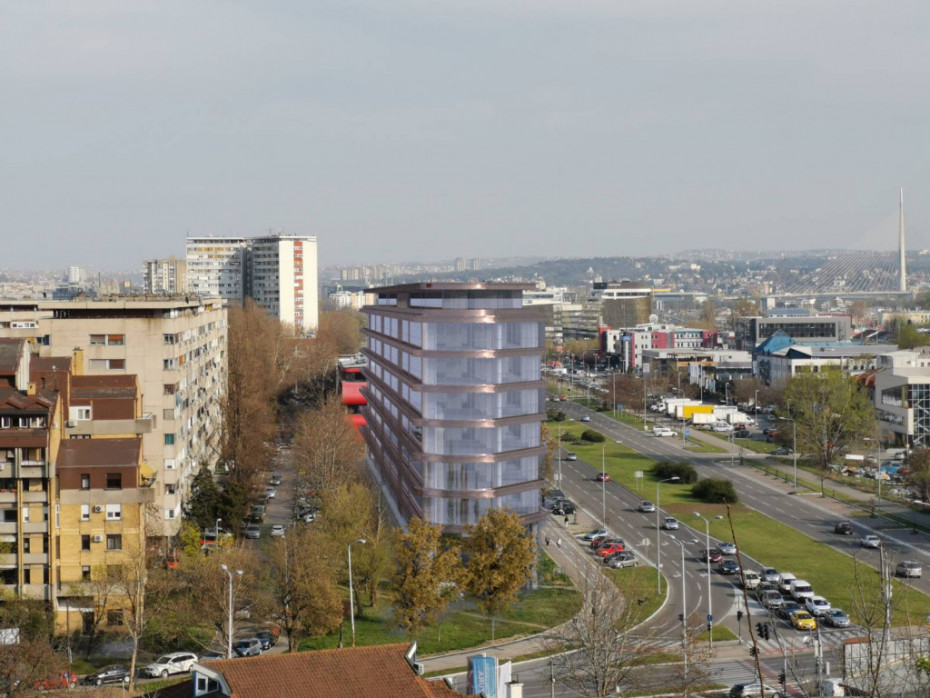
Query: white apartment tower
point(216, 266)
point(164, 277)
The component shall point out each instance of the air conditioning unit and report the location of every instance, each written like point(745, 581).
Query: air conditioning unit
point(71, 424)
point(98, 509)
point(98, 539)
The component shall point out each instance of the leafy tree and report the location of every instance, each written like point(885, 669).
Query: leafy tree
point(708, 318)
point(233, 505)
point(425, 570)
point(304, 577)
point(33, 658)
point(500, 554)
point(831, 412)
point(205, 499)
point(910, 338)
point(592, 436)
point(717, 490)
point(918, 463)
point(685, 472)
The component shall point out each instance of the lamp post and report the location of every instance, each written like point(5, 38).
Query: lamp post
point(684, 611)
point(559, 454)
point(794, 449)
point(229, 627)
point(658, 531)
point(604, 484)
point(710, 606)
point(755, 406)
point(351, 591)
point(878, 474)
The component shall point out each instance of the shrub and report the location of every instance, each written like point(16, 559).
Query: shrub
point(685, 472)
point(595, 437)
point(568, 437)
point(716, 490)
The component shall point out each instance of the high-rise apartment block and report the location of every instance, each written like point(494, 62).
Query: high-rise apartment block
point(455, 400)
point(279, 272)
point(165, 277)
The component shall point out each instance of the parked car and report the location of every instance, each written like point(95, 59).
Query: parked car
point(754, 690)
point(646, 507)
point(742, 434)
point(622, 559)
point(595, 533)
point(908, 568)
point(670, 523)
point(843, 527)
point(115, 673)
point(726, 548)
point(802, 620)
point(784, 582)
point(63, 679)
point(174, 663)
point(782, 451)
point(712, 555)
point(248, 647)
point(268, 639)
point(253, 532)
point(728, 567)
point(837, 618)
point(870, 541)
point(610, 549)
point(271, 492)
point(563, 508)
point(277, 531)
point(602, 542)
point(817, 605)
point(603, 477)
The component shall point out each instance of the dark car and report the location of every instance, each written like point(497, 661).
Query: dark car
point(788, 608)
point(267, 638)
point(782, 451)
point(564, 507)
point(843, 527)
point(115, 673)
point(728, 567)
point(603, 477)
point(742, 434)
point(713, 555)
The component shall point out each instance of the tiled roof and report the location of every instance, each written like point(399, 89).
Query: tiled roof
point(10, 350)
point(90, 387)
point(371, 672)
point(99, 452)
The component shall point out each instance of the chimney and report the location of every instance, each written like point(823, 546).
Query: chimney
point(514, 689)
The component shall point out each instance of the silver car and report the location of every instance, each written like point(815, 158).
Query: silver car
point(908, 568)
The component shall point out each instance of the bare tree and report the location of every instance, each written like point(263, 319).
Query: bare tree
point(31, 658)
point(328, 453)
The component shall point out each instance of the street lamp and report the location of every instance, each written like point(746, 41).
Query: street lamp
point(674, 478)
point(603, 485)
point(229, 627)
point(794, 450)
point(351, 594)
point(710, 606)
point(878, 464)
point(755, 406)
point(684, 611)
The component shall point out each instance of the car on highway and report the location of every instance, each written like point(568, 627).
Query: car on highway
point(277, 531)
point(621, 559)
point(751, 579)
point(771, 600)
point(595, 533)
point(801, 590)
point(769, 574)
point(817, 605)
point(784, 582)
point(870, 541)
point(766, 586)
point(603, 477)
point(670, 523)
point(802, 620)
point(276, 479)
point(571, 455)
point(728, 567)
point(664, 431)
point(726, 548)
point(646, 507)
point(712, 555)
point(908, 568)
point(836, 618)
point(253, 532)
point(586, 418)
point(248, 647)
point(753, 690)
point(270, 493)
point(173, 663)
point(843, 527)
point(115, 673)
point(788, 608)
point(564, 508)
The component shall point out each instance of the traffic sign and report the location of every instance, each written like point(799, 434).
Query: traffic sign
point(710, 618)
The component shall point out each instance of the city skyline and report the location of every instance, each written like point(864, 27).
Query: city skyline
point(436, 130)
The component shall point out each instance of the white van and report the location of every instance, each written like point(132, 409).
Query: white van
point(784, 582)
point(801, 590)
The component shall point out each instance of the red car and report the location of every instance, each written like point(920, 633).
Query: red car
point(64, 679)
point(713, 555)
point(610, 549)
point(601, 542)
point(603, 477)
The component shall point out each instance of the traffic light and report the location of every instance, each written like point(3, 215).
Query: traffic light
point(752, 651)
point(765, 631)
point(759, 631)
point(739, 616)
point(782, 678)
point(681, 617)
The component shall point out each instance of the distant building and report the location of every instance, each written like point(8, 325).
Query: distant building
point(752, 331)
point(455, 400)
point(164, 277)
point(625, 347)
point(902, 395)
point(216, 267)
point(612, 304)
point(780, 357)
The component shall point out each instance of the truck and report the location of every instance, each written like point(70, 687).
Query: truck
point(690, 410)
point(678, 409)
point(704, 419)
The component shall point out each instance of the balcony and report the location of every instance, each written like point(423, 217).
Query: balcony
point(112, 427)
point(7, 496)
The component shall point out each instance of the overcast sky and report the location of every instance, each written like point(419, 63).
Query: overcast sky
point(400, 130)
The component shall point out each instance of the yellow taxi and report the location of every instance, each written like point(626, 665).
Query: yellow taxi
point(802, 620)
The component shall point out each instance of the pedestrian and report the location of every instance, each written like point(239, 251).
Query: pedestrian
point(558, 543)
point(566, 519)
point(547, 541)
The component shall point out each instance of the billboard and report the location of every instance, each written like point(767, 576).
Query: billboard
point(482, 676)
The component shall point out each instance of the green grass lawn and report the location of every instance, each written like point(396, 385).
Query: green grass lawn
point(639, 585)
point(703, 447)
point(721, 634)
point(462, 626)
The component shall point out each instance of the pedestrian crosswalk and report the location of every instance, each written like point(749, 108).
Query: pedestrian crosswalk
point(790, 640)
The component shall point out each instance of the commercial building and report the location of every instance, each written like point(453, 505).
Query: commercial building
point(455, 400)
point(279, 272)
point(902, 395)
point(625, 347)
point(814, 329)
point(780, 357)
point(176, 347)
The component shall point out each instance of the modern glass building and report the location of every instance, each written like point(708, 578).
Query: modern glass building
point(455, 400)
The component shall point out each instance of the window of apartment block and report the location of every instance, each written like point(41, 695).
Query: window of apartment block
point(85, 543)
point(85, 573)
point(170, 338)
point(115, 616)
point(114, 512)
point(98, 339)
point(114, 541)
point(26, 544)
point(107, 364)
point(85, 481)
point(114, 481)
point(170, 388)
point(27, 576)
point(4, 422)
point(169, 439)
point(116, 340)
point(170, 513)
point(167, 414)
point(85, 512)
point(45, 544)
point(80, 414)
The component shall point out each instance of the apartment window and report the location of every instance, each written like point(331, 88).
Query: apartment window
point(167, 414)
point(170, 513)
point(114, 512)
point(27, 576)
point(114, 541)
point(26, 544)
point(116, 340)
point(115, 616)
point(85, 543)
point(170, 338)
point(107, 364)
point(114, 481)
point(45, 544)
point(169, 439)
point(85, 512)
point(4, 422)
point(85, 481)
point(98, 339)
point(170, 388)
point(85, 573)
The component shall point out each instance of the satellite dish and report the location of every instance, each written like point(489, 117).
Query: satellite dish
point(653, 319)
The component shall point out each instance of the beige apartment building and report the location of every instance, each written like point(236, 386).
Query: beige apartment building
point(176, 347)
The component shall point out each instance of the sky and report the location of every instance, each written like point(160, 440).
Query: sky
point(422, 130)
